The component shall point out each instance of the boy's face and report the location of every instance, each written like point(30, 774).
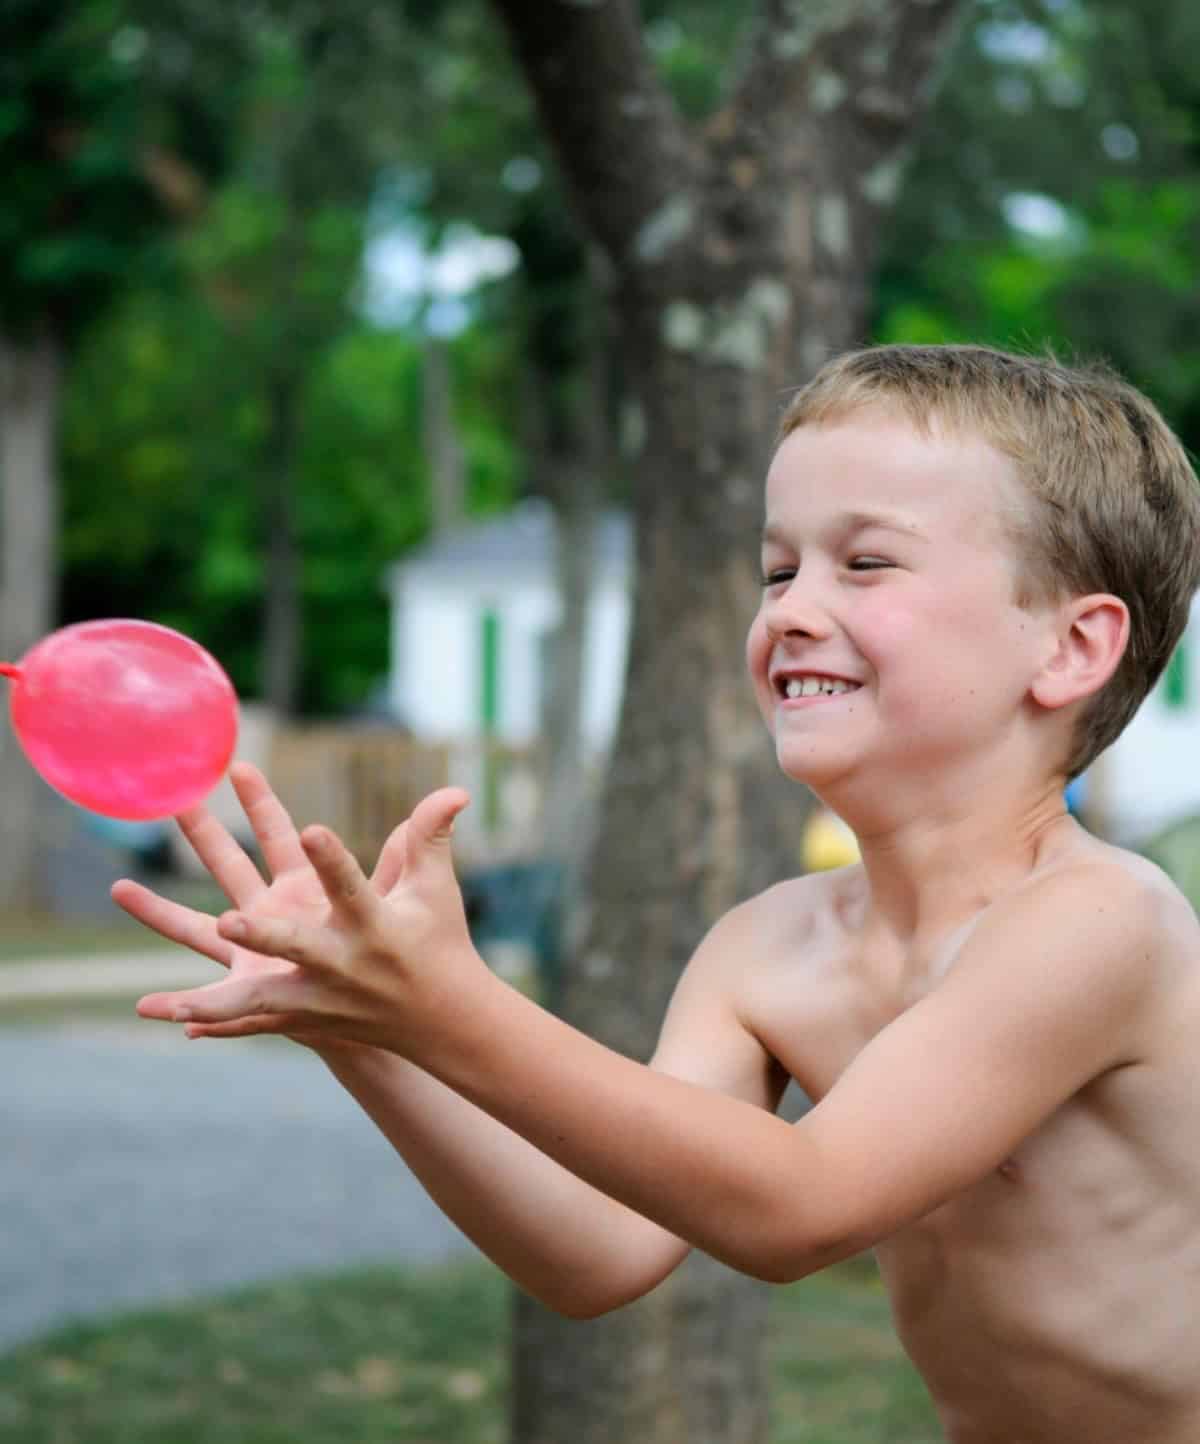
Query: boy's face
point(886, 565)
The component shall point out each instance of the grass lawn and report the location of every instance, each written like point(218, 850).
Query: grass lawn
point(383, 1357)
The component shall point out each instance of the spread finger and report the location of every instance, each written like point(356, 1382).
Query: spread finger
point(271, 821)
point(229, 1000)
point(344, 882)
point(316, 948)
point(178, 924)
point(222, 855)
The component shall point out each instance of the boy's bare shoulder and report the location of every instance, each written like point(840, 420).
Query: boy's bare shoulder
point(1097, 922)
point(1113, 875)
point(783, 958)
point(809, 919)
point(775, 945)
point(799, 941)
point(1104, 870)
point(798, 919)
point(1153, 923)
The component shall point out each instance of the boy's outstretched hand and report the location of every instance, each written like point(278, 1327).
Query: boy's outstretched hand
point(321, 951)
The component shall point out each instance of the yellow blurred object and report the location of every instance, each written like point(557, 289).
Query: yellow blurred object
point(828, 842)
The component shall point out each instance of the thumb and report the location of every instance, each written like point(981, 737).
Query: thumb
point(390, 867)
point(431, 825)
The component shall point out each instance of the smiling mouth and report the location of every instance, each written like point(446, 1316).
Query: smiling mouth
point(790, 689)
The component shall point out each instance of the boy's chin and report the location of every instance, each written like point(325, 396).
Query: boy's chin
point(809, 767)
point(798, 768)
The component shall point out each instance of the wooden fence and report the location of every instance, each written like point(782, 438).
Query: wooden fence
point(364, 783)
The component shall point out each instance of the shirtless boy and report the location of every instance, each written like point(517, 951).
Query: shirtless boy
point(996, 1014)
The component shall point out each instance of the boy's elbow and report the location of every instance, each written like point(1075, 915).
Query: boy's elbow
point(583, 1300)
point(786, 1258)
point(787, 1268)
point(783, 1259)
point(582, 1308)
point(586, 1311)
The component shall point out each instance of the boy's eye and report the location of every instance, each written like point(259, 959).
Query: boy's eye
point(779, 576)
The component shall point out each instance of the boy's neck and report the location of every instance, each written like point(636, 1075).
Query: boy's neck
point(935, 869)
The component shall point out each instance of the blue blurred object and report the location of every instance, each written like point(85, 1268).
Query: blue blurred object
point(1076, 794)
point(518, 903)
point(84, 854)
point(144, 839)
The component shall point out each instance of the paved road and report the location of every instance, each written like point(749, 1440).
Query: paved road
point(136, 1167)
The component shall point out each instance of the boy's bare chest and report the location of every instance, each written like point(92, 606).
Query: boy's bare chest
point(818, 1009)
point(1027, 1283)
point(1078, 1158)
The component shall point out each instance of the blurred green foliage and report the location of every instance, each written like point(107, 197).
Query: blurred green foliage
point(1054, 199)
point(58, 168)
point(221, 347)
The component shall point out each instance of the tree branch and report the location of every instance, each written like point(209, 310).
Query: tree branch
point(622, 145)
point(863, 70)
point(825, 113)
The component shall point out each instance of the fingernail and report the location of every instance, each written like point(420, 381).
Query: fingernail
point(235, 927)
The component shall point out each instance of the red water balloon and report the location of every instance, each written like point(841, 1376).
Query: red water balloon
point(128, 719)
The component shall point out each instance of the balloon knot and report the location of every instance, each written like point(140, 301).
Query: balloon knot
point(8, 670)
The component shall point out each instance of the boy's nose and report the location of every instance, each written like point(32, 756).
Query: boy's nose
point(796, 612)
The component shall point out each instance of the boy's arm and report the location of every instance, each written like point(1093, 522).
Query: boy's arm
point(572, 1247)
point(566, 1242)
point(1054, 988)
point(569, 1244)
point(1047, 993)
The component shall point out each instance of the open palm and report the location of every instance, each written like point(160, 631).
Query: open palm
point(293, 891)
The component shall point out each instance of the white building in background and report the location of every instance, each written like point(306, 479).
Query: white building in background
point(472, 611)
point(471, 618)
point(1150, 777)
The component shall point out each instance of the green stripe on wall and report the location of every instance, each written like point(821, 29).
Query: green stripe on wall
point(489, 690)
point(1176, 682)
point(489, 715)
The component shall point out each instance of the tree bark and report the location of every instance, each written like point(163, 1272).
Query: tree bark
point(443, 448)
point(742, 257)
point(570, 465)
point(30, 385)
point(282, 621)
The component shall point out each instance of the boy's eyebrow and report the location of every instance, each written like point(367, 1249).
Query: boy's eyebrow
point(847, 522)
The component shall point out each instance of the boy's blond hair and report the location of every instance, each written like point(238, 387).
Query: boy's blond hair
point(1114, 501)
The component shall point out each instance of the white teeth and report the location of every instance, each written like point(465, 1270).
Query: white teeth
point(810, 686)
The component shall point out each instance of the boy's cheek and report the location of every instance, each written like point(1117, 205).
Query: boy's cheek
point(758, 660)
point(754, 648)
point(891, 631)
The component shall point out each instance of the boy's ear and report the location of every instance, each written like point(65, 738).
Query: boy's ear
point(1086, 649)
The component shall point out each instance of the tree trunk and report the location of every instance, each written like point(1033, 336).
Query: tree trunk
point(443, 449)
point(566, 813)
point(30, 384)
point(570, 462)
point(742, 259)
point(282, 621)
point(686, 1365)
